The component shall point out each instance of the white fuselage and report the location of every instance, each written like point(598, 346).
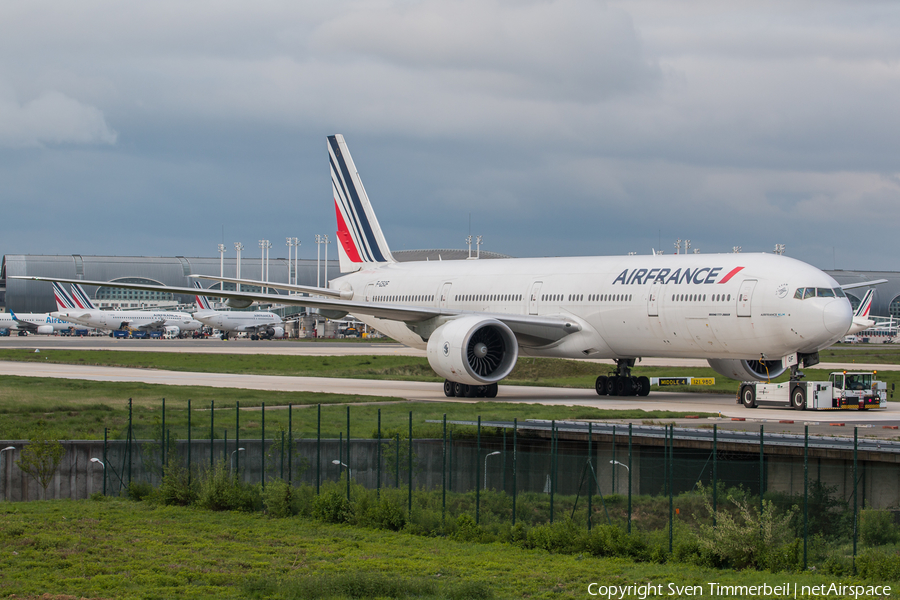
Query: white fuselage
point(40, 320)
point(134, 319)
point(739, 306)
point(238, 321)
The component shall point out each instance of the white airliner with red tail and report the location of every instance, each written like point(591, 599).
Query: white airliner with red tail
point(752, 316)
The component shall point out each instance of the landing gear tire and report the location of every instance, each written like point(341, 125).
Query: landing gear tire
point(471, 391)
point(458, 390)
point(449, 388)
point(491, 391)
point(643, 386)
point(624, 386)
point(612, 386)
point(600, 385)
point(748, 396)
point(798, 398)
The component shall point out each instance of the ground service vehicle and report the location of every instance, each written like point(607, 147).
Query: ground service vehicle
point(843, 390)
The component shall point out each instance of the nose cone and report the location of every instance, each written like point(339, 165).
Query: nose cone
point(838, 316)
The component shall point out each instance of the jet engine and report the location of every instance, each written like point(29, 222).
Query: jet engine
point(239, 302)
point(45, 329)
point(473, 350)
point(274, 332)
point(747, 370)
point(172, 331)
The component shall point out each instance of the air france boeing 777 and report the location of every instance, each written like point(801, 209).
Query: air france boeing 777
point(752, 316)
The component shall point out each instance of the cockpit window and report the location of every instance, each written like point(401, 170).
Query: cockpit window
point(825, 292)
point(839, 293)
point(798, 295)
point(811, 292)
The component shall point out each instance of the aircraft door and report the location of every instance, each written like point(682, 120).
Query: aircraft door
point(534, 297)
point(653, 300)
point(744, 297)
point(445, 294)
point(370, 292)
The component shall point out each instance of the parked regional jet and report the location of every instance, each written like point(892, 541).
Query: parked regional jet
point(752, 316)
point(78, 308)
point(259, 324)
point(31, 323)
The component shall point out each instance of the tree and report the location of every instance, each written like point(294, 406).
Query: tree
point(41, 457)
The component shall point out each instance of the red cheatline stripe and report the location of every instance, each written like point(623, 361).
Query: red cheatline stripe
point(731, 274)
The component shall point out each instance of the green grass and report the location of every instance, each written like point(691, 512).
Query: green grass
point(76, 409)
point(121, 549)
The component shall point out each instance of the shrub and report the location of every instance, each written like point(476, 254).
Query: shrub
point(389, 513)
point(177, 488)
point(139, 490)
point(877, 528)
point(41, 457)
point(278, 499)
point(878, 565)
point(221, 490)
point(332, 506)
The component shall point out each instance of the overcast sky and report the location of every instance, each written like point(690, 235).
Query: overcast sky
point(570, 127)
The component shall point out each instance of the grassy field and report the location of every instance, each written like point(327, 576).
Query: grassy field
point(124, 550)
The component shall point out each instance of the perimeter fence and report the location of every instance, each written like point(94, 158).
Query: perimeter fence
point(648, 491)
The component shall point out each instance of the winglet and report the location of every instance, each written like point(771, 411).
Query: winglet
point(360, 238)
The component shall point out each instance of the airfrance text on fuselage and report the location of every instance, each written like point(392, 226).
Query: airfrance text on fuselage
point(700, 275)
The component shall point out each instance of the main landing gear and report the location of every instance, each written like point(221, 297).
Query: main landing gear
point(463, 390)
point(622, 383)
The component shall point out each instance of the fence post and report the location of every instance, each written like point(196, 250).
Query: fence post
point(715, 469)
point(237, 439)
point(762, 470)
point(591, 480)
point(450, 460)
point(855, 504)
point(444, 472)
point(262, 447)
point(378, 458)
point(672, 483)
point(290, 449)
point(515, 463)
point(478, 473)
point(410, 463)
point(552, 465)
point(615, 487)
point(805, 491)
point(165, 445)
point(629, 478)
point(349, 471)
point(212, 430)
point(318, 447)
point(130, 439)
point(105, 464)
point(189, 442)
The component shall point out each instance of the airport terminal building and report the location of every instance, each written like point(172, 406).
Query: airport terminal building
point(37, 296)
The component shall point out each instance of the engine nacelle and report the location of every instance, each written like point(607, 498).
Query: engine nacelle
point(473, 350)
point(275, 332)
point(172, 331)
point(747, 370)
point(45, 329)
point(238, 302)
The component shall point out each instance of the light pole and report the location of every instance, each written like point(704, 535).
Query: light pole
point(232, 458)
point(478, 240)
point(494, 453)
point(100, 462)
point(326, 242)
point(268, 247)
point(290, 245)
point(237, 269)
point(262, 260)
point(318, 259)
point(349, 472)
point(615, 462)
point(296, 260)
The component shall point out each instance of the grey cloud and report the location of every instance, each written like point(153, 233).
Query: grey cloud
point(52, 118)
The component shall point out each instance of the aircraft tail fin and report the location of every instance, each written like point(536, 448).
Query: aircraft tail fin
point(862, 310)
point(64, 300)
point(202, 301)
point(81, 298)
point(360, 239)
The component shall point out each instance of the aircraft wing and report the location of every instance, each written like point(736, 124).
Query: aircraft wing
point(537, 330)
point(152, 326)
point(853, 286)
point(23, 325)
point(303, 289)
